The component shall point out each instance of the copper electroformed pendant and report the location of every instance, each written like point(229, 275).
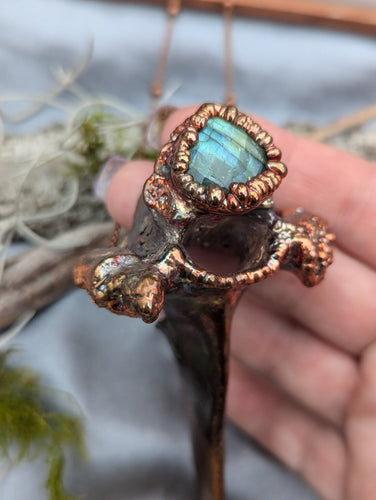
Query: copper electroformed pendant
point(212, 187)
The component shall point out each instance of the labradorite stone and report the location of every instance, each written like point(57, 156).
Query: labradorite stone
point(224, 154)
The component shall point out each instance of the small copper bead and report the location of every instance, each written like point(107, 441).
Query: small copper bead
point(214, 195)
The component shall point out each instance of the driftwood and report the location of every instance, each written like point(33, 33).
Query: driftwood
point(333, 14)
point(344, 124)
point(39, 276)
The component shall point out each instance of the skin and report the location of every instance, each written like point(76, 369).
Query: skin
point(303, 360)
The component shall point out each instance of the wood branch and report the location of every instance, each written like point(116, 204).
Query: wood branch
point(337, 15)
point(41, 275)
point(344, 124)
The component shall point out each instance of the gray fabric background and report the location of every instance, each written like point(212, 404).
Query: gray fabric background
point(120, 371)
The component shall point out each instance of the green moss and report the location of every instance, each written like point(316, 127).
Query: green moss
point(102, 134)
point(27, 424)
point(90, 144)
point(150, 154)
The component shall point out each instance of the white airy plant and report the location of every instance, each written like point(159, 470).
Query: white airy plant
point(41, 174)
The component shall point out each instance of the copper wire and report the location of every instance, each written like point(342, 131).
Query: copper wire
point(156, 89)
point(228, 52)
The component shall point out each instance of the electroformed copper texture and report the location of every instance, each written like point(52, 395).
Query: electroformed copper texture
point(241, 196)
point(156, 270)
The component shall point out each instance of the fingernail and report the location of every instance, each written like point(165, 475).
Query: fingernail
point(106, 173)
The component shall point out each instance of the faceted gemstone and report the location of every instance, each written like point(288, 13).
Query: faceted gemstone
point(224, 153)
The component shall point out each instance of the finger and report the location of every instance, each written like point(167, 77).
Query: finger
point(341, 309)
point(361, 431)
point(302, 442)
point(313, 372)
point(332, 184)
point(125, 189)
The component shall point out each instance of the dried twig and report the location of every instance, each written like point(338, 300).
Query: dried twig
point(344, 124)
point(41, 275)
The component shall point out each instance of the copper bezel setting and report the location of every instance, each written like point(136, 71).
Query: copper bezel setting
point(239, 197)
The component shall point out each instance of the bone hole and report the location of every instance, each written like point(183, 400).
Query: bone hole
point(227, 244)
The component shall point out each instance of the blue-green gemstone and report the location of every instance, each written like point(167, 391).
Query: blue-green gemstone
point(225, 153)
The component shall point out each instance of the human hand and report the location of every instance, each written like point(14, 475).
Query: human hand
point(303, 361)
